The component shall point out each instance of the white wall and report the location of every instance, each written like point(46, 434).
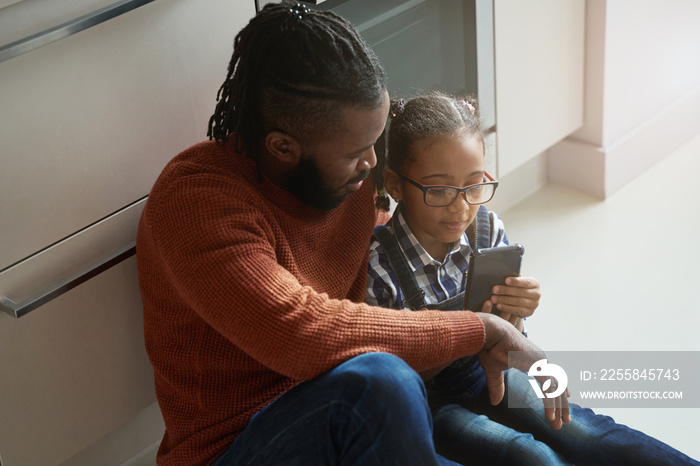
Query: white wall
point(642, 92)
point(652, 59)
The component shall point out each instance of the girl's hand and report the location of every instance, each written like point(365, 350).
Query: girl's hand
point(518, 298)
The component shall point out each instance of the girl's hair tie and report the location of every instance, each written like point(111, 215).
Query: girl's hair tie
point(467, 104)
point(397, 108)
point(383, 201)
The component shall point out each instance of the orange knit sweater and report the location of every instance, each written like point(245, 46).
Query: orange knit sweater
point(247, 292)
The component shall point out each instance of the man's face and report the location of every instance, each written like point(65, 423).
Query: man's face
point(335, 166)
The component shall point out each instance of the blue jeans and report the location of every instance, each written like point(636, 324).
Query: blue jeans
point(371, 410)
point(471, 431)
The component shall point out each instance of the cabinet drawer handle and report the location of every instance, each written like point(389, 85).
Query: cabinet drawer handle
point(41, 38)
point(19, 309)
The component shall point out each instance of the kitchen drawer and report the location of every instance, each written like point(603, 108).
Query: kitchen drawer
point(89, 121)
point(74, 371)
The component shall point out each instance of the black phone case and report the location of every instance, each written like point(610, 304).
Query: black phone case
point(487, 268)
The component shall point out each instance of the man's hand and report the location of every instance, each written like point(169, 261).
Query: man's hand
point(516, 321)
point(502, 337)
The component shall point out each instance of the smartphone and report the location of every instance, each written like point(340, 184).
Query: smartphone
point(487, 268)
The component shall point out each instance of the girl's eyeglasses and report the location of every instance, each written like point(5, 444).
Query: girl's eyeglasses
point(441, 196)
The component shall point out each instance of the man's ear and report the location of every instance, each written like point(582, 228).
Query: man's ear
point(283, 147)
point(392, 184)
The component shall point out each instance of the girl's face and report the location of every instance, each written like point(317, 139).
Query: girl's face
point(458, 161)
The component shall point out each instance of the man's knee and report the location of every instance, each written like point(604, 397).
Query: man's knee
point(385, 376)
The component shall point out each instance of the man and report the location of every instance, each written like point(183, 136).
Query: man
point(252, 258)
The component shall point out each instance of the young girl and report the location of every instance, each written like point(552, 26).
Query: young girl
point(419, 259)
point(435, 144)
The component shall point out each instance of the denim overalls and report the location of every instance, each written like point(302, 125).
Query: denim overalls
point(462, 381)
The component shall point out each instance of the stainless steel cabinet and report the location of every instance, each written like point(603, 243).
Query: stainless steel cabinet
point(73, 370)
point(86, 125)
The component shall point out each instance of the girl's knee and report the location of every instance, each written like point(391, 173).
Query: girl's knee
point(525, 450)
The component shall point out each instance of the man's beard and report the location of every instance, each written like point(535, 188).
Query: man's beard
point(307, 184)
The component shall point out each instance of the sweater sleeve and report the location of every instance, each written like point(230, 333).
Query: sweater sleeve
point(218, 252)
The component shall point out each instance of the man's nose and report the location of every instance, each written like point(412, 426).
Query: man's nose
point(368, 161)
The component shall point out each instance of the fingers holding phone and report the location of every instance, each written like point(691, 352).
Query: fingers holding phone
point(520, 296)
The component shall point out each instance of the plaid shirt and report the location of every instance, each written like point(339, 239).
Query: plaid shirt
point(439, 280)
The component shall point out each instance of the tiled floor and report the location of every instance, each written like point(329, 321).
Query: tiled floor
point(620, 274)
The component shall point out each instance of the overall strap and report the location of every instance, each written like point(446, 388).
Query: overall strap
point(413, 295)
point(479, 232)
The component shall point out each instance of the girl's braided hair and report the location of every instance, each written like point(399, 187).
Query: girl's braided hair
point(291, 67)
point(429, 116)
